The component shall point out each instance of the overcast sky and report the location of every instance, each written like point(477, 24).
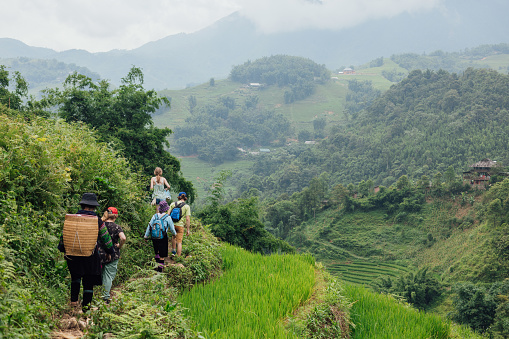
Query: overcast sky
point(103, 25)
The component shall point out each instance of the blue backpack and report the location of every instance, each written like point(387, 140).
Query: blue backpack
point(157, 230)
point(176, 212)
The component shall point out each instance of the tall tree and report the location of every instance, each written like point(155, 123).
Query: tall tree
point(122, 117)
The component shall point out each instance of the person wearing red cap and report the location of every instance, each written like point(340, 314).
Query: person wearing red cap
point(109, 263)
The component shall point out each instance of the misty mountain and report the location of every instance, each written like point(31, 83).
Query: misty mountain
point(181, 60)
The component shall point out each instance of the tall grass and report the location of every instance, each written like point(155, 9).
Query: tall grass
point(382, 317)
point(252, 296)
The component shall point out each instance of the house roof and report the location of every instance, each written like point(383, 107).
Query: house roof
point(485, 163)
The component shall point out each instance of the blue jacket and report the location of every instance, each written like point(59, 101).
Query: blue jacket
point(167, 224)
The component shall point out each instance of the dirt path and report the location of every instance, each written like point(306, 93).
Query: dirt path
point(73, 324)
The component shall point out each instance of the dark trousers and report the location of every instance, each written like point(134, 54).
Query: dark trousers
point(88, 289)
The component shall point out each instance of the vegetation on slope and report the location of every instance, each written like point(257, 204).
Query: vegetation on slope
point(297, 73)
point(43, 73)
point(122, 117)
point(45, 167)
point(253, 295)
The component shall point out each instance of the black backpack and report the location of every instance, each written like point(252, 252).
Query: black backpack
point(176, 212)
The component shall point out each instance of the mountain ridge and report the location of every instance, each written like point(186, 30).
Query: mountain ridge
point(187, 59)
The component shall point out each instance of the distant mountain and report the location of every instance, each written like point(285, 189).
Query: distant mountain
point(182, 60)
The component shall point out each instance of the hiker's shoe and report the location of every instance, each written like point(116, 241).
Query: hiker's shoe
point(173, 253)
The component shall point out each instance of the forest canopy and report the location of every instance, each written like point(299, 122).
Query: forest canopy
point(297, 73)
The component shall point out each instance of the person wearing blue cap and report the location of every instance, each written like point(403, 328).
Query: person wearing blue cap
point(184, 219)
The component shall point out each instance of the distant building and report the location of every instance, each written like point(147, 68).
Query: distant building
point(255, 84)
point(348, 70)
point(264, 150)
point(480, 174)
point(310, 142)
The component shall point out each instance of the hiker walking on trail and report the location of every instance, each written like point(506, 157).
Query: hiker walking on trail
point(157, 184)
point(157, 230)
point(109, 263)
point(83, 232)
point(181, 215)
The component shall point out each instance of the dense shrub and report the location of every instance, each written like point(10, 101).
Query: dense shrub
point(45, 166)
point(331, 317)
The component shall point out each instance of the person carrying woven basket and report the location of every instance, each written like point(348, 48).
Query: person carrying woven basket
point(86, 270)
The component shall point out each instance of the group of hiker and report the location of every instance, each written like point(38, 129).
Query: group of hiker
point(92, 244)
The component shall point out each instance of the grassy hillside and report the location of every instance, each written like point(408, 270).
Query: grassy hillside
point(327, 101)
point(361, 246)
point(70, 161)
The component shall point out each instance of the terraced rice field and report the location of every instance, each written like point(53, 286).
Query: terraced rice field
point(363, 272)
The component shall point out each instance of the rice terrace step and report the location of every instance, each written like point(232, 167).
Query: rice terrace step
point(364, 272)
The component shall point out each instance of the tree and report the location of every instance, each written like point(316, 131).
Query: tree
point(192, 103)
point(420, 289)
point(319, 125)
point(473, 306)
point(212, 82)
point(403, 183)
point(304, 136)
point(238, 222)
point(122, 117)
point(12, 100)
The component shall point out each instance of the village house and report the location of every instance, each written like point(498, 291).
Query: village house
point(348, 70)
point(480, 174)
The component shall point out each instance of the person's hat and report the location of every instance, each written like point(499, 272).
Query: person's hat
point(112, 210)
point(182, 194)
point(163, 206)
point(89, 199)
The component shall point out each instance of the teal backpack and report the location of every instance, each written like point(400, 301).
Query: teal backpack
point(157, 230)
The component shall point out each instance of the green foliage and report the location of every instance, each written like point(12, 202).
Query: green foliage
point(252, 296)
point(330, 318)
point(123, 118)
point(295, 72)
point(12, 99)
point(138, 314)
point(414, 129)
point(45, 166)
point(238, 223)
point(473, 306)
point(360, 95)
point(381, 316)
point(420, 289)
point(450, 61)
point(215, 131)
point(376, 274)
point(44, 72)
point(48, 164)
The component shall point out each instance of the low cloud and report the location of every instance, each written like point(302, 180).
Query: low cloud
point(294, 15)
point(103, 25)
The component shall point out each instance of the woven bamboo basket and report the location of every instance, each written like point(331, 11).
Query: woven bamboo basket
point(80, 234)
